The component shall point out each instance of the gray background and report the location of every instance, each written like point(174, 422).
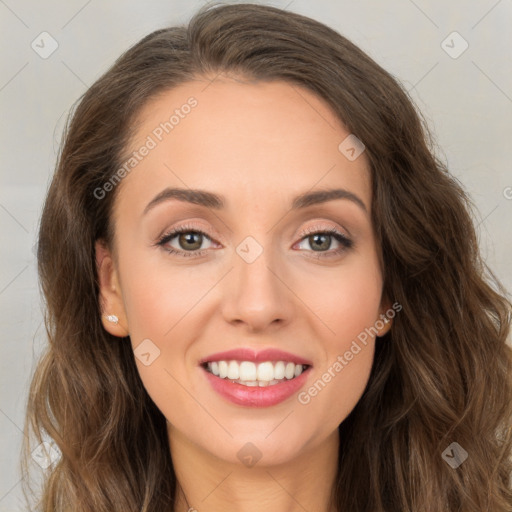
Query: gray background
point(466, 100)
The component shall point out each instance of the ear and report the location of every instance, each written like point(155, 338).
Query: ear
point(111, 299)
point(385, 320)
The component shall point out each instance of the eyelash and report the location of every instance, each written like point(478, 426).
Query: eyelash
point(345, 242)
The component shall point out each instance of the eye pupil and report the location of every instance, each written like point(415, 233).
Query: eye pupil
point(191, 237)
point(324, 241)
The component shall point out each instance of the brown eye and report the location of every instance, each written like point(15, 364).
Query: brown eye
point(185, 241)
point(325, 243)
point(190, 241)
point(320, 242)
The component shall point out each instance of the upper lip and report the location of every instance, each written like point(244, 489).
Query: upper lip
point(247, 354)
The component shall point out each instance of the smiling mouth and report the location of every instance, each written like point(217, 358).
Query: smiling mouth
point(248, 373)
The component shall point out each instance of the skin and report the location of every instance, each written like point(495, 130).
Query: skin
point(259, 145)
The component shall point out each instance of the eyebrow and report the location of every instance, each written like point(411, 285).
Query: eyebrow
point(217, 202)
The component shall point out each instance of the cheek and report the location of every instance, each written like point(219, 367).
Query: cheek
point(159, 304)
point(337, 388)
point(350, 310)
point(346, 300)
point(347, 304)
point(158, 297)
point(162, 304)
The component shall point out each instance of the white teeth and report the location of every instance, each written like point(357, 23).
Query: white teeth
point(266, 371)
point(279, 370)
point(233, 372)
point(223, 369)
point(252, 374)
point(289, 371)
point(247, 371)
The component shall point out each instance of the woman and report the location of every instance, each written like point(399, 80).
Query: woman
point(263, 289)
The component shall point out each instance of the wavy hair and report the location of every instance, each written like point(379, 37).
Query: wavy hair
point(441, 375)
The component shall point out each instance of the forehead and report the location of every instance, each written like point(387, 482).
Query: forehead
point(229, 135)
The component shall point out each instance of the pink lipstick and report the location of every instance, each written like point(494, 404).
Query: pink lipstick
point(255, 379)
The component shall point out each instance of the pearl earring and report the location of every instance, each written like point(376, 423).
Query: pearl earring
point(113, 319)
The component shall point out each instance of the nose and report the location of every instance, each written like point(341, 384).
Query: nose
point(256, 295)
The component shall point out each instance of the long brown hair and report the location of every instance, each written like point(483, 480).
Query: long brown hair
point(441, 375)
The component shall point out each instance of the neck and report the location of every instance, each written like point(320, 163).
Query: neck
point(206, 482)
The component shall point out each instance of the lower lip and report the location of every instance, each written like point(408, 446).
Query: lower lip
point(255, 396)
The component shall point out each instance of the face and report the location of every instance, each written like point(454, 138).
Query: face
point(244, 229)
